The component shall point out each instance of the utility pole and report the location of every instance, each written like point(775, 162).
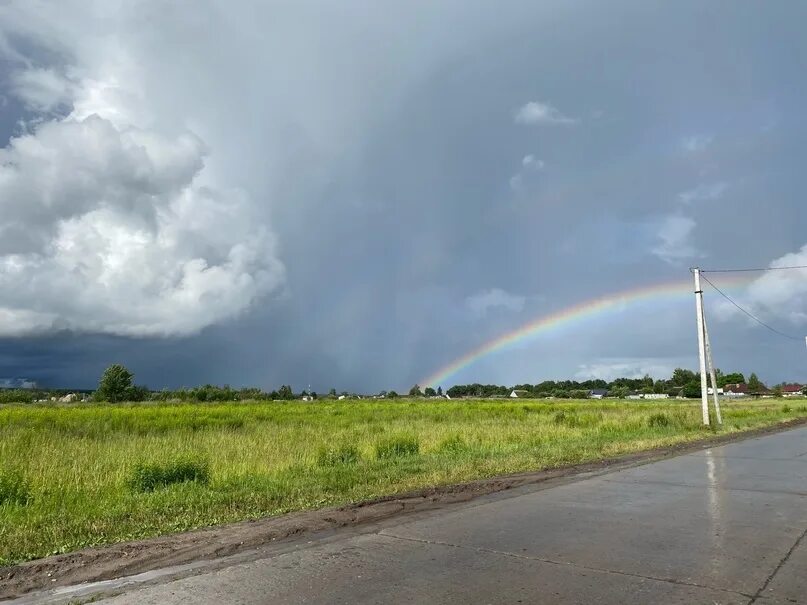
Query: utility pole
point(712, 375)
point(701, 345)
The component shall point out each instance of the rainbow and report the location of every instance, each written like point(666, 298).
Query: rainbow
point(573, 314)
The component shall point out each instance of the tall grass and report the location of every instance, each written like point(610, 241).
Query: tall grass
point(13, 488)
point(88, 474)
point(146, 477)
point(396, 447)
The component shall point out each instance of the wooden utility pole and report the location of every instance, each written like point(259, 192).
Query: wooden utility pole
point(712, 374)
point(701, 345)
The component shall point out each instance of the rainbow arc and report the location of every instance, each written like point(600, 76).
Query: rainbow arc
point(568, 316)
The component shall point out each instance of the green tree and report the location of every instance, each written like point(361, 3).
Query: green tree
point(332, 393)
point(392, 395)
point(16, 396)
point(618, 392)
point(137, 393)
point(439, 391)
point(415, 391)
point(733, 378)
point(430, 392)
point(683, 377)
point(692, 389)
point(285, 392)
point(114, 383)
point(755, 384)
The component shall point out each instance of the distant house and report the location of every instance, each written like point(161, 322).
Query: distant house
point(638, 395)
point(516, 393)
point(720, 391)
point(736, 389)
point(598, 393)
point(792, 390)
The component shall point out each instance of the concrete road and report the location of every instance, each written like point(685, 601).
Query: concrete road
point(725, 525)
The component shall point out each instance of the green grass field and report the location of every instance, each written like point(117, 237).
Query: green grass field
point(80, 475)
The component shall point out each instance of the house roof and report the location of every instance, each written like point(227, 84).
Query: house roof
point(598, 391)
point(736, 387)
point(792, 388)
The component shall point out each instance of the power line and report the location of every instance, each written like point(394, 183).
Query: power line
point(751, 270)
point(751, 315)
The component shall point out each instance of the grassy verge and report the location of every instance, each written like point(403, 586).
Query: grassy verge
point(82, 475)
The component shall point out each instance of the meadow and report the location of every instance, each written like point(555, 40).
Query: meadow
point(77, 475)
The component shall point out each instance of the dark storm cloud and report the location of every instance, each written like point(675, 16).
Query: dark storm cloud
point(377, 144)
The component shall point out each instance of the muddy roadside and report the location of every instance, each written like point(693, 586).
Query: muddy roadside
point(129, 558)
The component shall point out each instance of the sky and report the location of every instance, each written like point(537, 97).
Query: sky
point(353, 195)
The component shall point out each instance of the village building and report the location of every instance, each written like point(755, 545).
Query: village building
point(792, 390)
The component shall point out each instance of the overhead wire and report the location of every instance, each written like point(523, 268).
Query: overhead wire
point(748, 313)
point(752, 270)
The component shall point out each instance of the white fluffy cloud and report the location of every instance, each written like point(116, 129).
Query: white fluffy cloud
point(541, 113)
point(777, 297)
point(110, 220)
point(529, 163)
point(105, 229)
point(481, 303)
point(675, 240)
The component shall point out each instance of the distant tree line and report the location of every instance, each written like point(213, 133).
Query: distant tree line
point(22, 395)
point(683, 382)
point(117, 384)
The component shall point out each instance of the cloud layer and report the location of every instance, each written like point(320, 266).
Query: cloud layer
point(107, 230)
point(386, 167)
point(111, 222)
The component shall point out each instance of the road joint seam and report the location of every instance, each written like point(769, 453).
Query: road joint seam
point(781, 564)
point(564, 563)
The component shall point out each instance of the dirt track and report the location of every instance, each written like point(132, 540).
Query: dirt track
point(129, 558)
